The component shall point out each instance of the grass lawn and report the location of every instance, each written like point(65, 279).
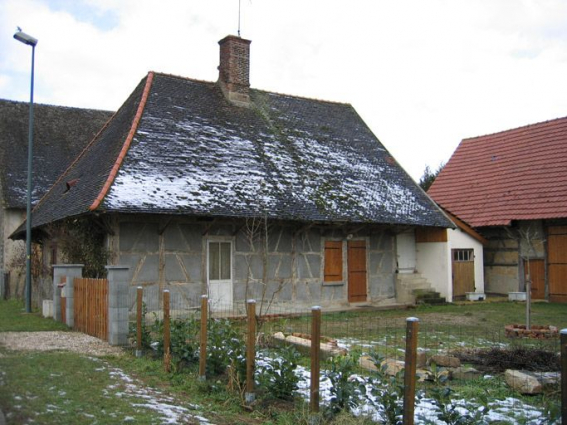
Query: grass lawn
point(66, 388)
point(441, 328)
point(60, 387)
point(13, 318)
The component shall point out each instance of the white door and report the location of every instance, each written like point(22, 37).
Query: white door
point(407, 257)
point(220, 274)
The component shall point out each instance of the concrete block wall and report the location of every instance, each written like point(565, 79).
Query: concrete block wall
point(118, 305)
point(70, 272)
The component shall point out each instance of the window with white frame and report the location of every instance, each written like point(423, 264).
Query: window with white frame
point(219, 260)
point(463, 255)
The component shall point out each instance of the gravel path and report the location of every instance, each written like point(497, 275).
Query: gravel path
point(57, 340)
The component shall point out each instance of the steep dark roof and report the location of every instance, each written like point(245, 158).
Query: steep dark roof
point(519, 174)
point(60, 134)
point(177, 146)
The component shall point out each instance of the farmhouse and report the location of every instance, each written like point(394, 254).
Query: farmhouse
point(218, 188)
point(512, 188)
point(60, 133)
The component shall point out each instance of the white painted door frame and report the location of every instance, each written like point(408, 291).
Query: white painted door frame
point(220, 291)
point(406, 252)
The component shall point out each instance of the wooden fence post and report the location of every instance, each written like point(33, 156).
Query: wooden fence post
point(166, 332)
point(203, 344)
point(410, 369)
point(315, 359)
point(250, 396)
point(564, 376)
point(139, 311)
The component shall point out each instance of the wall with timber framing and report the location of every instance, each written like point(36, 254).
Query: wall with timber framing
point(506, 257)
point(165, 252)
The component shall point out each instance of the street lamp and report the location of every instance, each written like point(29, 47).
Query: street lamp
point(30, 41)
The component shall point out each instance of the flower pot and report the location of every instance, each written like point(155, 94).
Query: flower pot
point(516, 296)
point(475, 296)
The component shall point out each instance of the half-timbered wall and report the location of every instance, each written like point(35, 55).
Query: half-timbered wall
point(505, 257)
point(501, 262)
point(171, 253)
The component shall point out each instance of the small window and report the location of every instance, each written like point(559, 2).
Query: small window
point(463, 255)
point(219, 260)
point(333, 261)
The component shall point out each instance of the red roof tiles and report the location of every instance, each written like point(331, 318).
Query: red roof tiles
point(126, 145)
point(519, 174)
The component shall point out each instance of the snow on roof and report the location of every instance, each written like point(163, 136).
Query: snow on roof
point(60, 133)
point(194, 153)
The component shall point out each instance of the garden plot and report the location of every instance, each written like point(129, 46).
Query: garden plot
point(510, 410)
point(368, 400)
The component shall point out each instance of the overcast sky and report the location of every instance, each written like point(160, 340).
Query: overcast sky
point(423, 74)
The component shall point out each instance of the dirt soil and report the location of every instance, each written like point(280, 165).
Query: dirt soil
point(497, 360)
point(58, 340)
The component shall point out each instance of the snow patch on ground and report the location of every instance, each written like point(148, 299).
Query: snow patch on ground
point(149, 398)
point(510, 410)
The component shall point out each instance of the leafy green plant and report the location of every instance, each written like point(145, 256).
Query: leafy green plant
point(146, 334)
point(346, 390)
point(450, 411)
point(184, 342)
point(82, 241)
point(277, 377)
point(156, 336)
point(224, 347)
point(182, 339)
point(387, 390)
point(456, 413)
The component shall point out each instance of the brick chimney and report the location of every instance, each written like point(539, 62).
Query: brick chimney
point(234, 69)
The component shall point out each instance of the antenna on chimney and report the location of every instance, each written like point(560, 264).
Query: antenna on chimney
point(239, 18)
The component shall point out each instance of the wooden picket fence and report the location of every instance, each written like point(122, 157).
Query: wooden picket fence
point(91, 307)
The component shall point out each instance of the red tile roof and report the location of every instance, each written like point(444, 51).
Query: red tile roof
point(519, 174)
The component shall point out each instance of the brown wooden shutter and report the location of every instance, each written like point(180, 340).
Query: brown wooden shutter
point(333, 261)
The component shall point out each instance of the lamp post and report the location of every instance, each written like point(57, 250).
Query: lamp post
point(30, 41)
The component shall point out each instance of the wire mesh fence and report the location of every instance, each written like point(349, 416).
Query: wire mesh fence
point(463, 369)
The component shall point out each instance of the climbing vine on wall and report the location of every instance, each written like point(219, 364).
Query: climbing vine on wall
point(82, 241)
point(18, 261)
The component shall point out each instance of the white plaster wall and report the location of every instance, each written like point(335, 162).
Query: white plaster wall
point(406, 252)
point(433, 262)
point(460, 240)
point(12, 219)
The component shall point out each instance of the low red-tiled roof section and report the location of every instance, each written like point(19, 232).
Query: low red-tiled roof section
point(127, 142)
point(519, 174)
